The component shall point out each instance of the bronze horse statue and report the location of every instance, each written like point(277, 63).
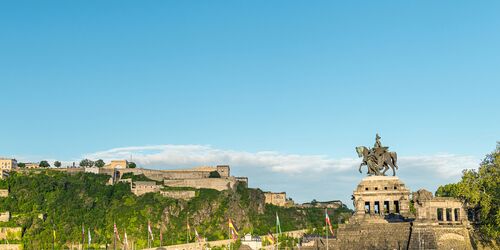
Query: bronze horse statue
point(377, 159)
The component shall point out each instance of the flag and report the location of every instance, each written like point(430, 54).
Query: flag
point(150, 230)
point(161, 236)
point(232, 227)
point(327, 219)
point(83, 234)
point(90, 238)
point(197, 235)
point(117, 235)
point(278, 224)
point(125, 239)
point(271, 238)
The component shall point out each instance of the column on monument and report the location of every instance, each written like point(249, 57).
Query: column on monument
point(443, 214)
point(372, 207)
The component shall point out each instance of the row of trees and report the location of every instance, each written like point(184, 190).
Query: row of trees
point(100, 163)
point(42, 164)
point(83, 163)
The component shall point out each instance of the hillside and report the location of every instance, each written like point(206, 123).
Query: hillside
point(70, 201)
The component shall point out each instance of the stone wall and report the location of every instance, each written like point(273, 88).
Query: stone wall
point(179, 194)
point(431, 236)
point(4, 192)
point(371, 236)
point(10, 233)
point(5, 216)
point(11, 247)
point(277, 199)
point(211, 183)
point(143, 187)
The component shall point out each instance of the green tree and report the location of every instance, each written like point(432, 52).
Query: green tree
point(21, 165)
point(57, 164)
point(131, 165)
point(99, 163)
point(480, 190)
point(44, 164)
point(86, 163)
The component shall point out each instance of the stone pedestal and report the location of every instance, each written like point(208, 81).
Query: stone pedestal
point(378, 197)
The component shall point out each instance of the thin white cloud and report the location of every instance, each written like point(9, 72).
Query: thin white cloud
point(171, 156)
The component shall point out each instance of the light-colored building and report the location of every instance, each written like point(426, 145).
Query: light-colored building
point(8, 164)
point(4, 192)
point(277, 199)
point(253, 242)
point(118, 164)
point(5, 216)
point(32, 165)
point(143, 187)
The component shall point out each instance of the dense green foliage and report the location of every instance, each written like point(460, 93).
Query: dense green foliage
point(99, 163)
point(69, 202)
point(480, 190)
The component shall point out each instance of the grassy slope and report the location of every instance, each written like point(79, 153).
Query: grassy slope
point(68, 201)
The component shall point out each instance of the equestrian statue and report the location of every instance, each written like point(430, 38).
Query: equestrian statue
point(377, 159)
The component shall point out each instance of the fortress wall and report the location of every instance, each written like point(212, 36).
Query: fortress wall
point(5, 216)
point(11, 247)
point(159, 175)
point(426, 236)
point(371, 236)
point(10, 233)
point(211, 183)
point(179, 194)
point(4, 192)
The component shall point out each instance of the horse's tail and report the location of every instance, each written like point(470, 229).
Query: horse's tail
point(394, 157)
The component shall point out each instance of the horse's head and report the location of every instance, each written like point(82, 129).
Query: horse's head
point(360, 150)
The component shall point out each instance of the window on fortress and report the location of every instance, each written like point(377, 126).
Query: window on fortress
point(366, 189)
point(385, 188)
point(448, 214)
point(395, 187)
point(367, 207)
point(377, 207)
point(376, 188)
point(456, 214)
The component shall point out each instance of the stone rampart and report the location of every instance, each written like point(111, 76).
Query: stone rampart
point(10, 233)
point(432, 236)
point(4, 193)
point(371, 236)
point(11, 247)
point(179, 194)
point(210, 183)
point(193, 246)
point(5, 216)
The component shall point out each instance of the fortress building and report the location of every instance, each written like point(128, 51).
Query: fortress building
point(32, 165)
point(7, 165)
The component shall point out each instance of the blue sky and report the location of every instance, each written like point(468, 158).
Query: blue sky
point(307, 81)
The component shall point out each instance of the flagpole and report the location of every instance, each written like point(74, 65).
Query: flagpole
point(326, 228)
point(277, 233)
point(114, 236)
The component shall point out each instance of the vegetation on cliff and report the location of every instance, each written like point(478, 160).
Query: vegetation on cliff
point(47, 201)
point(480, 190)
